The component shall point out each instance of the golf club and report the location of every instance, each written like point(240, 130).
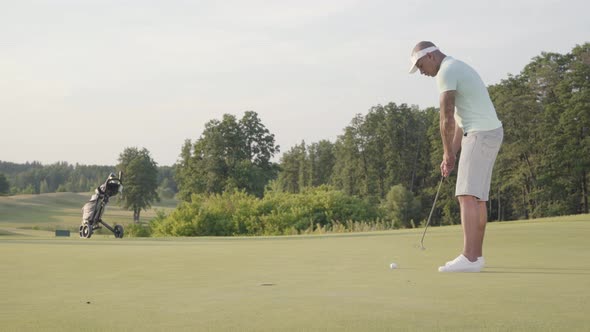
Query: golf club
point(430, 215)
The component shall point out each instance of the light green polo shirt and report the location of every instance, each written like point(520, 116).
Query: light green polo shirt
point(474, 110)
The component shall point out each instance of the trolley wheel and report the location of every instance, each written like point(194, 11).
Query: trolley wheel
point(86, 231)
point(81, 227)
point(118, 231)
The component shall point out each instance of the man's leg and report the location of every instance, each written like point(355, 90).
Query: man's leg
point(473, 220)
point(483, 220)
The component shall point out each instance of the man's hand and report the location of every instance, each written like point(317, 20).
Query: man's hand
point(447, 165)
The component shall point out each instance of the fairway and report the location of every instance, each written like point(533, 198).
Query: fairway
point(48, 212)
point(537, 279)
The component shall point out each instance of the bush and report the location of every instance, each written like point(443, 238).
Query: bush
point(278, 213)
point(313, 208)
point(137, 230)
point(219, 215)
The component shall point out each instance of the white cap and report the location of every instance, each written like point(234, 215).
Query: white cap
point(418, 55)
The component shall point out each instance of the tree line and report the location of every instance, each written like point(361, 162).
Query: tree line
point(36, 178)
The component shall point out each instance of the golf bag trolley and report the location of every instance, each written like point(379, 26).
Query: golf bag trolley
point(93, 210)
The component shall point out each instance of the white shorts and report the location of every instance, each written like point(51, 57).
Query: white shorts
point(478, 155)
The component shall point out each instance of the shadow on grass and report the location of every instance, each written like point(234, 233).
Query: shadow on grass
point(7, 233)
point(538, 270)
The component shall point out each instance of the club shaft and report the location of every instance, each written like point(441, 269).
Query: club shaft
point(431, 210)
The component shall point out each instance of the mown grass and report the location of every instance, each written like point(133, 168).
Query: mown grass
point(537, 279)
point(49, 212)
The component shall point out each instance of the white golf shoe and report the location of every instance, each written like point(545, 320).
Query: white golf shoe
point(480, 258)
point(462, 264)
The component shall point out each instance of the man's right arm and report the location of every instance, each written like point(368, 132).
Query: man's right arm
point(447, 130)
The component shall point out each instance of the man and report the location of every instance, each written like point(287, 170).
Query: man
point(468, 122)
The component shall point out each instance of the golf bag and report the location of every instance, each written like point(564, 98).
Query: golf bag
point(93, 210)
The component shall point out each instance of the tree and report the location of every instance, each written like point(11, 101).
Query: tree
point(516, 171)
point(574, 126)
point(347, 174)
point(4, 185)
point(306, 166)
point(290, 177)
point(401, 207)
point(230, 154)
point(43, 187)
point(140, 180)
point(322, 161)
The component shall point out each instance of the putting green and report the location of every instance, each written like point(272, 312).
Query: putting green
point(537, 279)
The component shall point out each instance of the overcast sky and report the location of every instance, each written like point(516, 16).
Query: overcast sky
point(82, 80)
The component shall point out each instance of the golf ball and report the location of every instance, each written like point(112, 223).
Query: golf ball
point(393, 266)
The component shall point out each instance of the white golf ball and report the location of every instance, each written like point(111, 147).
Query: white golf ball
point(393, 266)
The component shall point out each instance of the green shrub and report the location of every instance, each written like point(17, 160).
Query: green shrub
point(137, 230)
point(227, 214)
point(278, 213)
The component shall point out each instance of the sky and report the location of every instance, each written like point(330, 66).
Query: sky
point(80, 80)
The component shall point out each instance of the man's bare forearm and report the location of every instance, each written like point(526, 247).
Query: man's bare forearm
point(447, 121)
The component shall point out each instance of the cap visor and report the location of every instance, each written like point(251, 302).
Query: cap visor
point(413, 69)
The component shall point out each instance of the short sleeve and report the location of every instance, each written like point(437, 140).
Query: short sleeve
point(446, 79)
